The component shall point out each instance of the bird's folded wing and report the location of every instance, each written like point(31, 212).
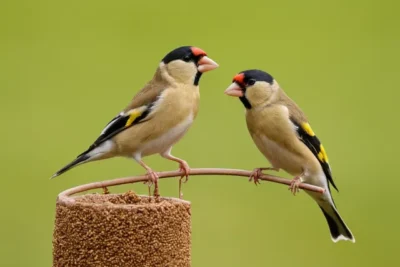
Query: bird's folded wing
point(121, 122)
point(137, 111)
point(308, 137)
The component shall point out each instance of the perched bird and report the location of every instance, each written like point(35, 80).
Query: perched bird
point(282, 133)
point(158, 115)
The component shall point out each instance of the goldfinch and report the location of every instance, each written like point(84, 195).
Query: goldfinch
point(282, 133)
point(158, 115)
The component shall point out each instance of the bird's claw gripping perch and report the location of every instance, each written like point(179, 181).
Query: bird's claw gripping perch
point(153, 179)
point(257, 173)
point(295, 185)
point(183, 167)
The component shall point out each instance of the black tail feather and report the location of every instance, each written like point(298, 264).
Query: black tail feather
point(337, 227)
point(77, 161)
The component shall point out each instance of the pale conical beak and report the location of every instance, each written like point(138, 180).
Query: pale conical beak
point(234, 90)
point(206, 64)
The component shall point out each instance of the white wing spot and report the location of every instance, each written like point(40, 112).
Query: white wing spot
point(110, 123)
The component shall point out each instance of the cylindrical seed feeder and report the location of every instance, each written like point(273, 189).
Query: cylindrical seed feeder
point(129, 230)
point(121, 230)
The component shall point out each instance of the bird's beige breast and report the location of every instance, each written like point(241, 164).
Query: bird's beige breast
point(164, 141)
point(279, 156)
point(275, 136)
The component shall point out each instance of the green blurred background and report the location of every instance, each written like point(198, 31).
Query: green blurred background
point(68, 67)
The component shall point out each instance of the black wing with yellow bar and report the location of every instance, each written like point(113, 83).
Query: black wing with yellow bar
point(119, 123)
point(308, 137)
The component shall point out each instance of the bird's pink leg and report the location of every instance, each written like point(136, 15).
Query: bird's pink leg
point(153, 178)
point(257, 172)
point(295, 183)
point(183, 166)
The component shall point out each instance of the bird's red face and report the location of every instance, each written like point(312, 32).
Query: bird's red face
point(204, 63)
point(237, 87)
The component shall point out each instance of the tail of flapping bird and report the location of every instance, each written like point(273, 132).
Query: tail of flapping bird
point(339, 230)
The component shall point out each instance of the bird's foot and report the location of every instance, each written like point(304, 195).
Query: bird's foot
point(153, 179)
point(257, 172)
point(183, 166)
point(295, 184)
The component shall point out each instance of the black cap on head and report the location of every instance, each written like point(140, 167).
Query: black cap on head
point(185, 53)
point(178, 53)
point(257, 76)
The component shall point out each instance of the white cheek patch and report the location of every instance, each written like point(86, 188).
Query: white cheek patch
point(275, 86)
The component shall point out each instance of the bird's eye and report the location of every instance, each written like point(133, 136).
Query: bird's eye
point(251, 82)
point(187, 58)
